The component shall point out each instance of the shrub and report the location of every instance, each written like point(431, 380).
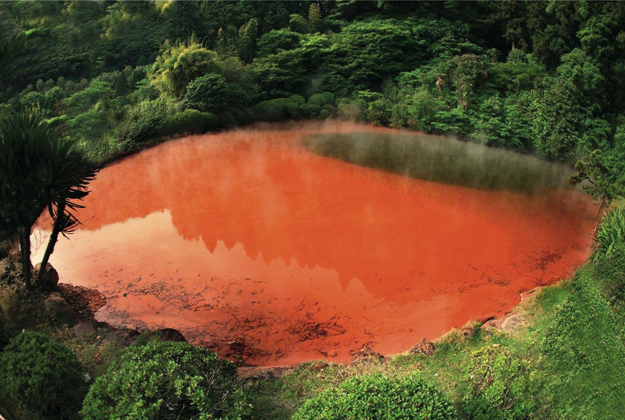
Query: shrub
point(6, 332)
point(206, 93)
point(269, 111)
point(166, 380)
point(323, 114)
point(584, 348)
point(310, 110)
point(610, 233)
point(328, 98)
point(378, 397)
point(287, 105)
point(331, 109)
point(611, 271)
point(42, 376)
point(189, 121)
point(249, 115)
point(226, 119)
point(242, 118)
point(350, 110)
point(211, 121)
point(297, 99)
point(146, 128)
point(499, 386)
point(318, 99)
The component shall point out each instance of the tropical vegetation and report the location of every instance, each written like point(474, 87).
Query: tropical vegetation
point(87, 82)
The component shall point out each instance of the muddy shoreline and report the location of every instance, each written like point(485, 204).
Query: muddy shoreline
point(86, 302)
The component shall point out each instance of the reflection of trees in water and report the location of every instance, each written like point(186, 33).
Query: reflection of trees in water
point(443, 160)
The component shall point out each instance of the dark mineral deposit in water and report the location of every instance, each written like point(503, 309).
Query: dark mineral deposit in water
point(260, 246)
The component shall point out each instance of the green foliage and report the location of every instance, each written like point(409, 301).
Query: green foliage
point(275, 41)
point(310, 110)
point(206, 94)
point(266, 111)
point(585, 348)
point(611, 272)
point(290, 66)
point(179, 64)
point(6, 332)
point(379, 397)
point(166, 380)
point(365, 53)
point(500, 385)
point(43, 376)
point(38, 170)
point(226, 119)
point(321, 99)
point(599, 177)
point(189, 121)
point(297, 99)
point(350, 109)
point(610, 233)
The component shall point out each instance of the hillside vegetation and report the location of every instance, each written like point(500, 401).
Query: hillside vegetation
point(113, 77)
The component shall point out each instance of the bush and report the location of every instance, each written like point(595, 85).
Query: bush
point(328, 97)
point(297, 99)
point(287, 105)
point(189, 121)
point(323, 114)
point(499, 386)
point(249, 115)
point(206, 93)
point(6, 332)
point(146, 128)
point(611, 232)
point(226, 119)
point(611, 271)
point(378, 397)
point(310, 110)
point(269, 111)
point(320, 99)
point(331, 109)
point(584, 349)
point(42, 376)
point(166, 380)
point(242, 118)
point(350, 110)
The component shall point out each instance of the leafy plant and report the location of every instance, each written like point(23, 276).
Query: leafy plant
point(42, 376)
point(206, 93)
point(500, 385)
point(38, 170)
point(610, 233)
point(584, 349)
point(166, 380)
point(378, 397)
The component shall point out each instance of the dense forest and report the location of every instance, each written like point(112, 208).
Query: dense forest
point(544, 78)
point(541, 78)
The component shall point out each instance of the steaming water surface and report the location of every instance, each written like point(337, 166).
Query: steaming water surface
point(254, 246)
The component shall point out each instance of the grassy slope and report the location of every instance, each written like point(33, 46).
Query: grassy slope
point(582, 390)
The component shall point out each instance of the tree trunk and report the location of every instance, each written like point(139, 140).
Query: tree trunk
point(602, 207)
point(54, 236)
point(24, 233)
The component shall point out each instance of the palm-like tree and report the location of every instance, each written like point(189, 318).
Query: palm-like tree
point(38, 170)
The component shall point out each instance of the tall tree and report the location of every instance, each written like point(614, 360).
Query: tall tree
point(37, 170)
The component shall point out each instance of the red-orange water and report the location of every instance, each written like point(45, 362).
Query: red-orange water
point(251, 245)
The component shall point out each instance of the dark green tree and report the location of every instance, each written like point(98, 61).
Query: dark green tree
point(38, 170)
